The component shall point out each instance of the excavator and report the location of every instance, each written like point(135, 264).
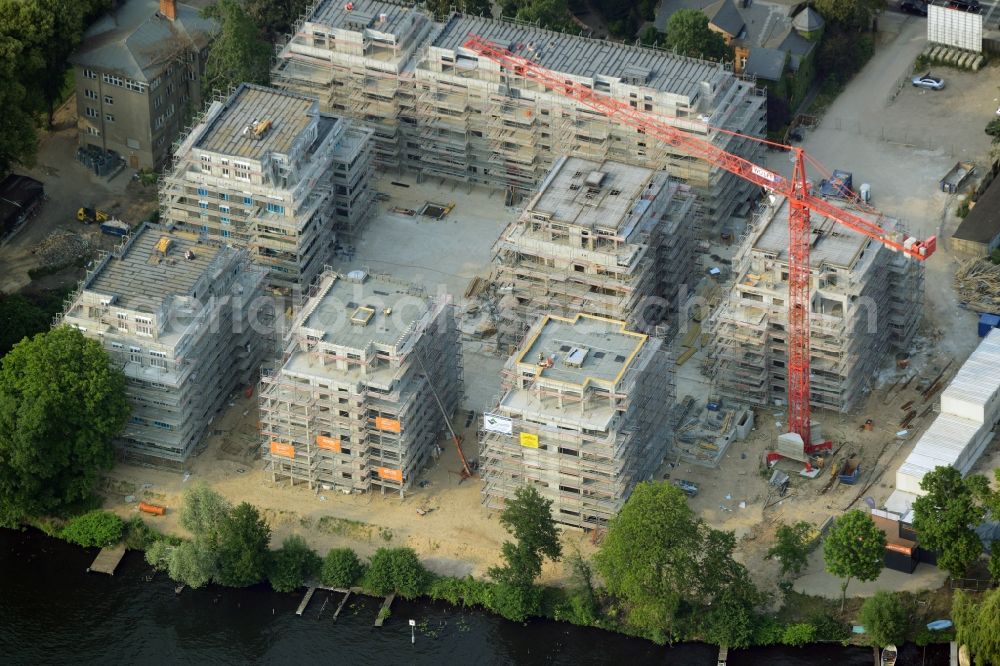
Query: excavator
point(91, 215)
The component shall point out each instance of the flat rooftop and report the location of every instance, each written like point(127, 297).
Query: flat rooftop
point(356, 314)
point(144, 276)
point(591, 194)
point(832, 243)
point(585, 57)
point(289, 115)
point(582, 350)
point(363, 14)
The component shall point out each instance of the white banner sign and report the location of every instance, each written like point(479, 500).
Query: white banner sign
point(501, 424)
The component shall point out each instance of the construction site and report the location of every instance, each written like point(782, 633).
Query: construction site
point(518, 299)
point(264, 169)
point(370, 375)
point(441, 110)
point(170, 310)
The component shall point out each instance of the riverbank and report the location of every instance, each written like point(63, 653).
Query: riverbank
point(135, 616)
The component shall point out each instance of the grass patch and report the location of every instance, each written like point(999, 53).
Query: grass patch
point(345, 527)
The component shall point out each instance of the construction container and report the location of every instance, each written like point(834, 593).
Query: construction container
point(988, 322)
point(850, 472)
point(153, 509)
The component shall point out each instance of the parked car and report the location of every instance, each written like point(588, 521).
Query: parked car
point(929, 82)
point(690, 489)
point(913, 7)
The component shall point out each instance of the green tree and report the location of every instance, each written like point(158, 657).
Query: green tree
point(341, 568)
point(275, 17)
point(396, 570)
point(688, 34)
point(842, 54)
point(854, 548)
point(441, 8)
point(238, 54)
point(792, 547)
point(528, 518)
point(61, 403)
point(658, 557)
point(204, 512)
point(292, 564)
point(945, 517)
point(885, 618)
point(854, 14)
point(94, 528)
point(549, 14)
point(243, 547)
point(193, 563)
point(977, 625)
point(19, 318)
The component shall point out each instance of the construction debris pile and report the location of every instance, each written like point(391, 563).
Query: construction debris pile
point(977, 282)
point(61, 248)
point(704, 434)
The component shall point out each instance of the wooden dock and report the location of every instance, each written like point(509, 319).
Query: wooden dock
point(108, 559)
point(341, 606)
point(383, 612)
point(723, 655)
point(305, 601)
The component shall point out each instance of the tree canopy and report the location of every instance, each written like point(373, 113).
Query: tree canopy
point(854, 548)
point(94, 529)
point(441, 8)
point(61, 404)
point(275, 17)
point(946, 517)
point(292, 564)
point(551, 14)
point(243, 547)
point(688, 34)
point(19, 318)
point(658, 558)
point(855, 14)
point(239, 53)
point(396, 570)
point(791, 547)
point(528, 518)
point(341, 568)
point(977, 624)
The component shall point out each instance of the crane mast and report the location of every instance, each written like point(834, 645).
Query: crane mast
point(802, 202)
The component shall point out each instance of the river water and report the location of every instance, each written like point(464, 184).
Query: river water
point(52, 611)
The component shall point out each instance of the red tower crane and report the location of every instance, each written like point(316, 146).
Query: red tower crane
point(796, 189)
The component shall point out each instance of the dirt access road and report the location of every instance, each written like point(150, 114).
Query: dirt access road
point(68, 185)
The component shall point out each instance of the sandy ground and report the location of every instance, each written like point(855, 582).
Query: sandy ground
point(68, 186)
point(458, 536)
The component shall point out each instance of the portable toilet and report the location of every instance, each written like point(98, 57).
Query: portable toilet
point(865, 191)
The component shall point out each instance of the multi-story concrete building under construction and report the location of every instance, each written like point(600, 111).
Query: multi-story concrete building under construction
point(176, 313)
point(865, 301)
point(265, 169)
point(443, 111)
point(582, 418)
point(371, 370)
point(603, 238)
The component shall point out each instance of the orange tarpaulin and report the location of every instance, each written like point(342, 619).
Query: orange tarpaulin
point(328, 443)
point(391, 474)
point(279, 449)
point(391, 425)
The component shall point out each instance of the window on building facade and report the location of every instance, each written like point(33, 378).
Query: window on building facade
point(225, 233)
point(224, 219)
point(92, 112)
point(109, 117)
point(90, 94)
point(223, 196)
point(202, 192)
point(275, 208)
point(90, 74)
point(247, 201)
point(135, 354)
point(223, 208)
point(93, 131)
point(108, 99)
point(144, 326)
point(157, 359)
point(242, 171)
point(113, 80)
point(202, 204)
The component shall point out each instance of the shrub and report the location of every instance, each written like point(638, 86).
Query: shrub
point(95, 528)
point(341, 568)
point(396, 570)
point(798, 634)
point(515, 602)
point(829, 628)
point(885, 618)
point(460, 591)
point(289, 566)
point(139, 535)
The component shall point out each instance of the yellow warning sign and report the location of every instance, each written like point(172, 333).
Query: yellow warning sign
point(529, 440)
